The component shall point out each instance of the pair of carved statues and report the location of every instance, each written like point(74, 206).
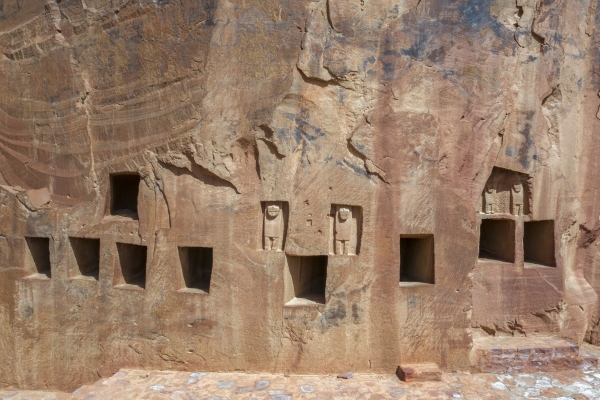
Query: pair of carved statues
point(516, 198)
point(274, 228)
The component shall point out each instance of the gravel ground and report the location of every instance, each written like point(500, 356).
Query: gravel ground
point(138, 384)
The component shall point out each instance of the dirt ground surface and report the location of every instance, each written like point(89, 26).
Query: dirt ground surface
point(139, 384)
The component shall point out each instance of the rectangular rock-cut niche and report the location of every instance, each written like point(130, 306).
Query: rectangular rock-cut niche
point(497, 240)
point(130, 268)
point(346, 230)
point(305, 280)
point(538, 244)
point(196, 268)
point(417, 260)
point(274, 226)
point(37, 257)
point(84, 258)
point(124, 190)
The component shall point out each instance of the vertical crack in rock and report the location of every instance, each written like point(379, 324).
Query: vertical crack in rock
point(158, 178)
point(550, 108)
point(84, 103)
point(328, 5)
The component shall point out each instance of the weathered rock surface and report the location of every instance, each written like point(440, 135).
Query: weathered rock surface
point(293, 186)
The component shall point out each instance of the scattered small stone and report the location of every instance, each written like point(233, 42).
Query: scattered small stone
point(453, 394)
point(276, 392)
point(226, 384)
point(544, 383)
point(157, 387)
point(346, 375)
point(577, 387)
point(122, 383)
point(282, 397)
point(396, 392)
point(307, 389)
point(244, 389)
point(498, 386)
point(195, 377)
point(557, 383)
point(532, 392)
point(261, 385)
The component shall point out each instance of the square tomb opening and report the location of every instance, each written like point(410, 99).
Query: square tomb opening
point(538, 243)
point(85, 262)
point(124, 190)
point(497, 240)
point(131, 269)
point(308, 280)
point(37, 256)
point(417, 261)
point(196, 267)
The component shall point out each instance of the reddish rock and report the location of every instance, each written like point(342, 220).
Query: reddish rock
point(520, 354)
point(39, 198)
point(419, 372)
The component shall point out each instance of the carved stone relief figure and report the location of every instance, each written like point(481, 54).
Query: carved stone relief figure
point(343, 230)
point(488, 199)
point(273, 226)
point(517, 198)
point(506, 192)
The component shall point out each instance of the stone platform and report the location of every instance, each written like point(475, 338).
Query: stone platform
point(522, 354)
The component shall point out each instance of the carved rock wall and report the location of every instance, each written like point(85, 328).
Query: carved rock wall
point(401, 113)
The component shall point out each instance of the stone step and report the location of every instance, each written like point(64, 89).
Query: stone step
point(526, 354)
point(419, 372)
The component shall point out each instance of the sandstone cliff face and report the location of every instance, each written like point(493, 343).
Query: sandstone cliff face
point(351, 135)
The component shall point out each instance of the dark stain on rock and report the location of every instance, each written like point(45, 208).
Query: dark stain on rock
point(523, 156)
point(28, 312)
point(412, 301)
point(355, 313)
point(334, 315)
